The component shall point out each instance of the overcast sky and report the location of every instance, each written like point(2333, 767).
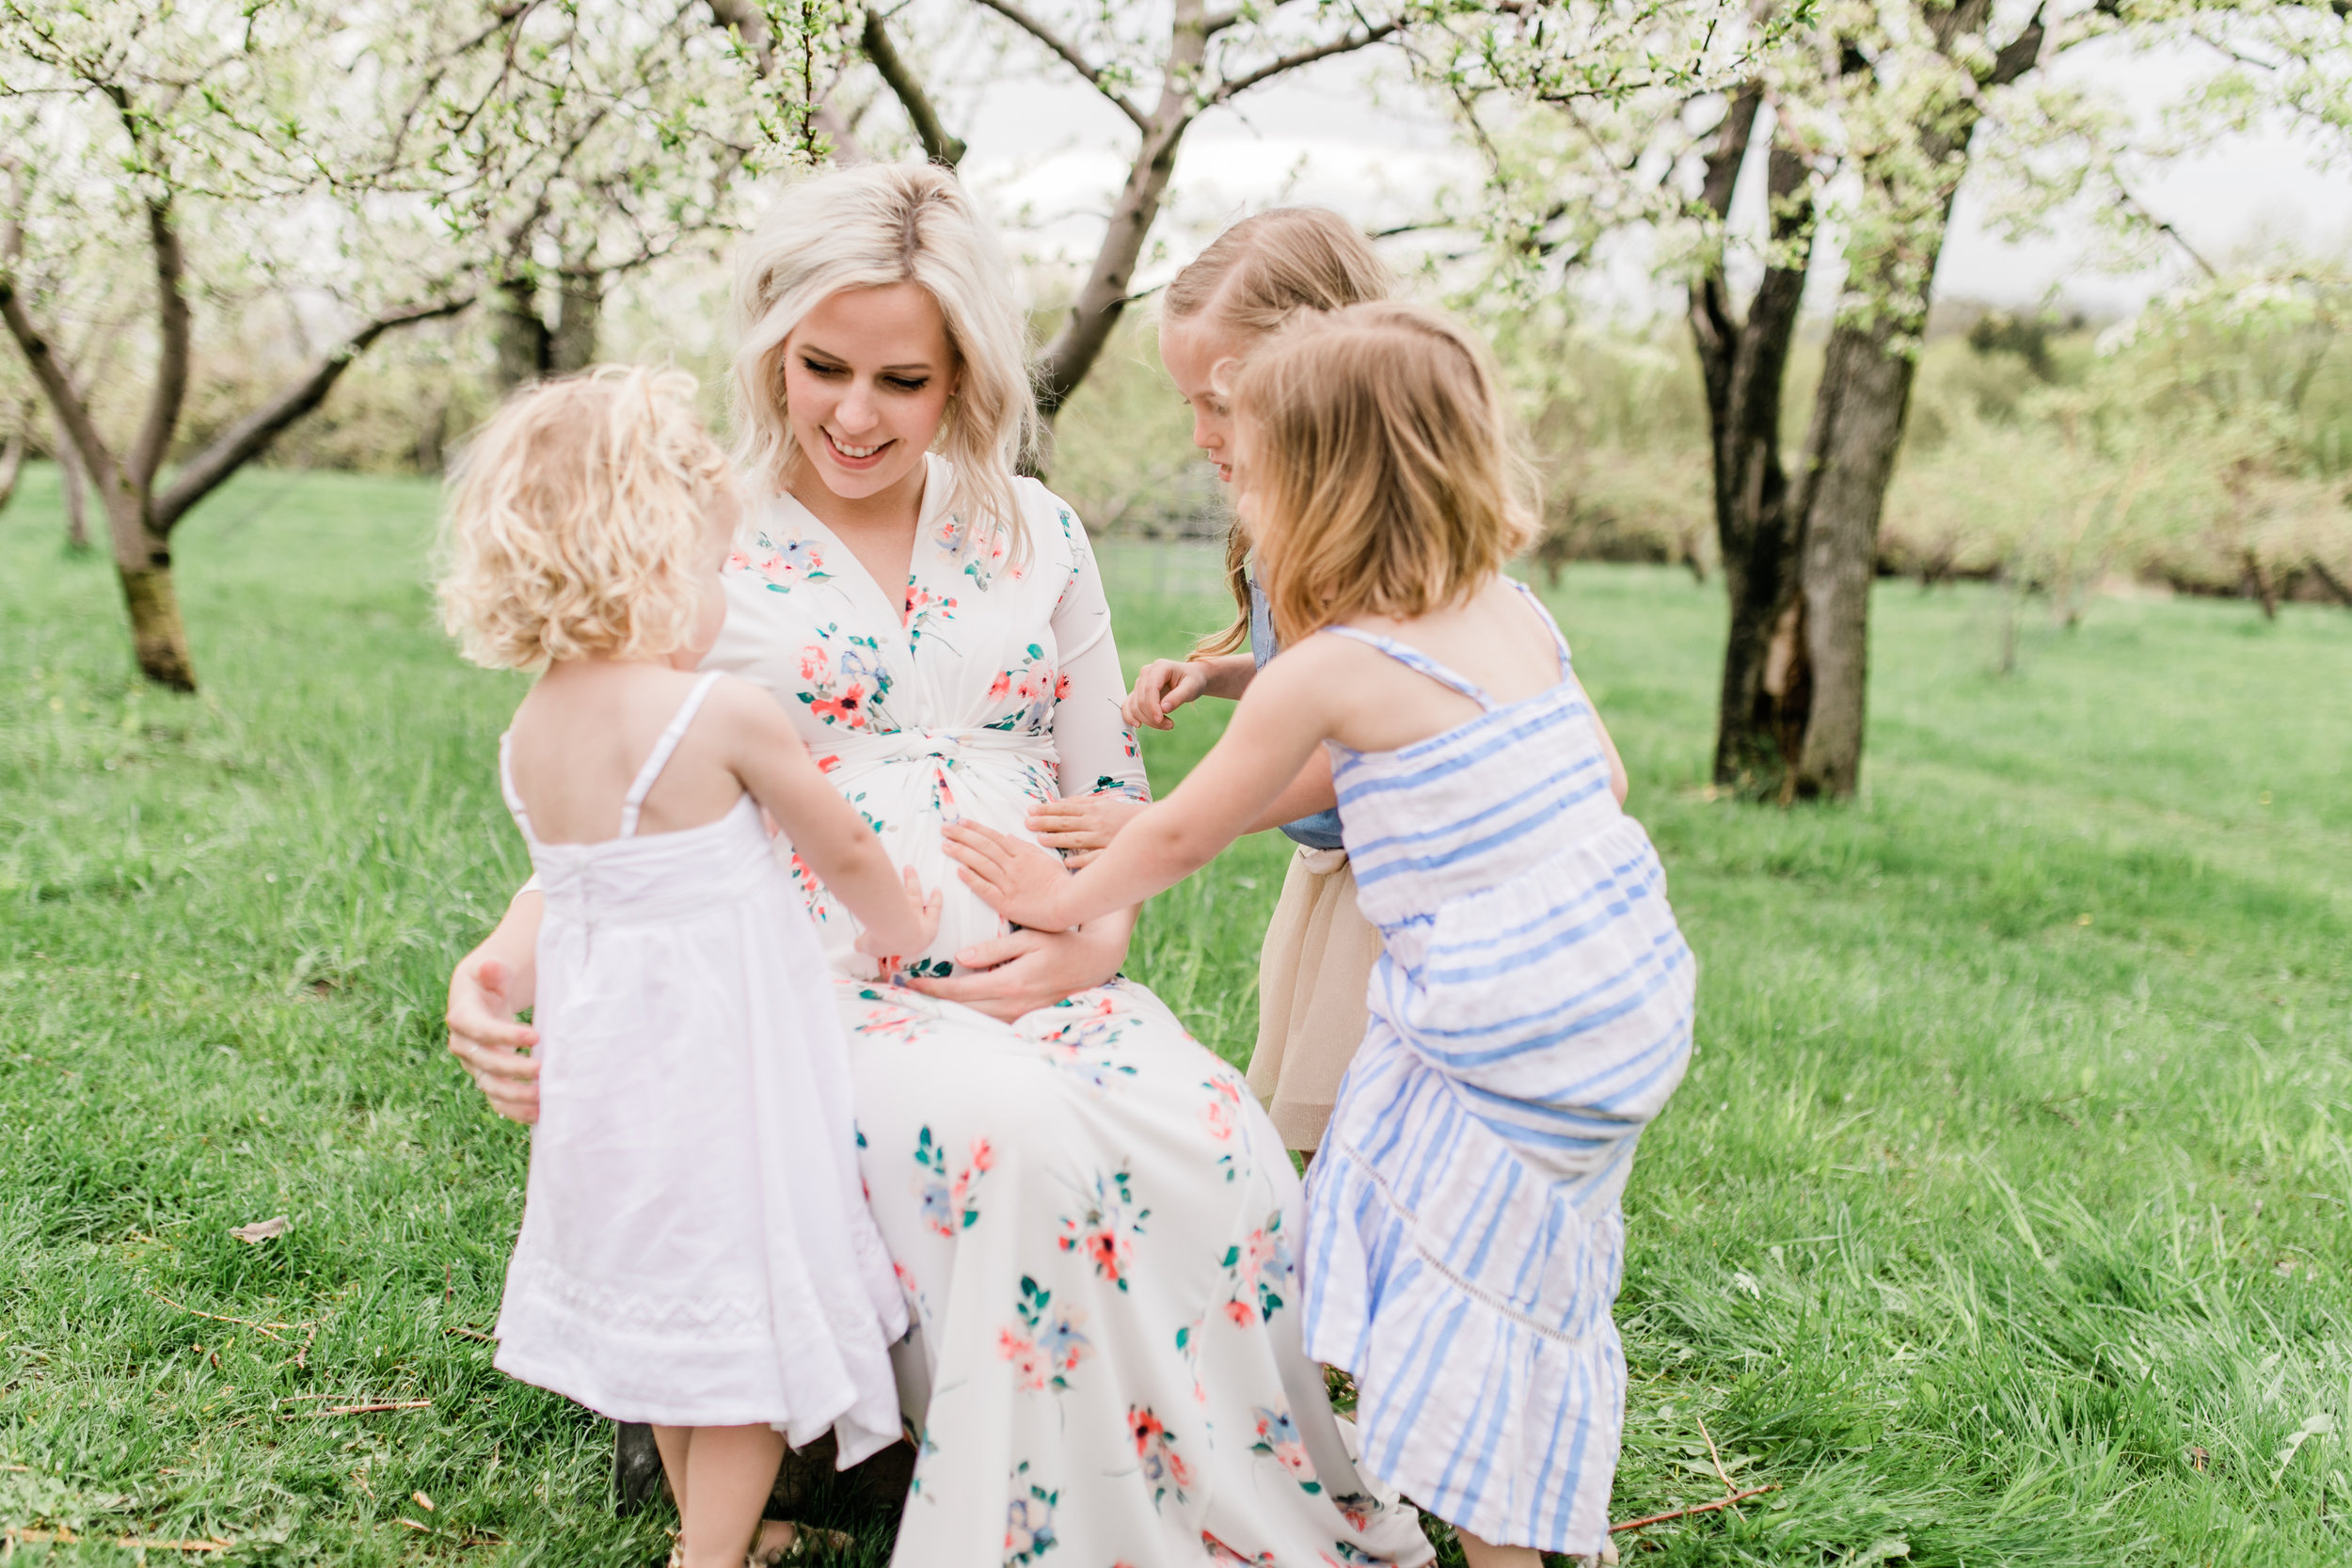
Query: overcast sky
point(1351, 133)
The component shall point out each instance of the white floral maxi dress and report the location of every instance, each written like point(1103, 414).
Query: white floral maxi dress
point(1094, 1222)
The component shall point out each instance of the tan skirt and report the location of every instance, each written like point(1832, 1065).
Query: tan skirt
point(1312, 979)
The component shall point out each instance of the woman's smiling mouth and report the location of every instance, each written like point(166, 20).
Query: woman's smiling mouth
point(854, 456)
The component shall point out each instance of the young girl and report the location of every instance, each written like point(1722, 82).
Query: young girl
point(696, 1250)
point(1319, 948)
point(1531, 1010)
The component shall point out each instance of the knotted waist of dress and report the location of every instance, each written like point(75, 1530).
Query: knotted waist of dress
point(867, 752)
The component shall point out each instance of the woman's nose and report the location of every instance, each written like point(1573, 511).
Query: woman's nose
point(854, 414)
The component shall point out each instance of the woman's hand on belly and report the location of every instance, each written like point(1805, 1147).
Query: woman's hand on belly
point(1023, 970)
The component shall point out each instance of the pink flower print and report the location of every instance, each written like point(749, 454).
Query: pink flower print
point(1046, 1345)
point(1029, 1366)
point(827, 764)
point(1162, 1467)
point(816, 666)
point(1238, 1311)
point(737, 562)
point(1104, 1231)
point(951, 1204)
point(1224, 1557)
point(1218, 1118)
point(848, 709)
point(1061, 688)
point(1278, 1439)
point(998, 688)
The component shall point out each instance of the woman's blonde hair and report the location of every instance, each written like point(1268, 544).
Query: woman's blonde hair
point(869, 228)
point(1252, 279)
point(579, 519)
point(1376, 454)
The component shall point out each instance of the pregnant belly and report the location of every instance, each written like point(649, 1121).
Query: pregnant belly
point(909, 784)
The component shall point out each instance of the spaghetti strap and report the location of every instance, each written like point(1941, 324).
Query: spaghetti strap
point(1414, 660)
point(635, 800)
point(1559, 639)
point(506, 786)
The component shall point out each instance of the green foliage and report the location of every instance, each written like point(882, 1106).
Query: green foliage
point(2000, 1220)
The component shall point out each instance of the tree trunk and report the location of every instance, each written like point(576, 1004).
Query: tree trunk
point(1858, 421)
point(578, 309)
point(1743, 364)
point(72, 487)
point(519, 335)
point(12, 466)
point(159, 639)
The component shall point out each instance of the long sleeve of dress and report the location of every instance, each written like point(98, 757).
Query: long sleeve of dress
point(1098, 751)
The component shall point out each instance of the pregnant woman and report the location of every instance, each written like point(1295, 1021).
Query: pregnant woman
point(1094, 1223)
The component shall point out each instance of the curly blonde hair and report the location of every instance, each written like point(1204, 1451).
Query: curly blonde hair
point(579, 521)
point(871, 227)
point(1378, 458)
point(1251, 278)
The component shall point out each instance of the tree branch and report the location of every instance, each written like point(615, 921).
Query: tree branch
point(1372, 34)
point(56, 383)
point(2021, 53)
point(244, 440)
point(1096, 76)
point(938, 145)
point(173, 329)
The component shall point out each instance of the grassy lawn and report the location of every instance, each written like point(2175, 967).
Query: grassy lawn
point(2003, 1218)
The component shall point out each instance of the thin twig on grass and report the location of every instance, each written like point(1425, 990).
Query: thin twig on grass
point(1701, 1507)
point(371, 1409)
point(472, 1334)
point(241, 1322)
point(1714, 1458)
point(127, 1543)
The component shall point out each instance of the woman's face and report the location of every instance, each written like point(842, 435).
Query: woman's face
point(1199, 351)
point(866, 378)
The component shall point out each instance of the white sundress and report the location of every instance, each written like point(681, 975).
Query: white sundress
point(696, 1250)
point(1530, 1013)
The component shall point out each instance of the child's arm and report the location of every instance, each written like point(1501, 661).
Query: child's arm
point(1285, 716)
point(826, 830)
point(1166, 685)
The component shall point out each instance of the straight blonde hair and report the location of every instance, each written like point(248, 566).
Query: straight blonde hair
point(871, 227)
point(1250, 280)
point(578, 521)
point(1376, 454)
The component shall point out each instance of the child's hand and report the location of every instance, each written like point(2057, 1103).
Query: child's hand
point(926, 923)
point(1083, 826)
point(1018, 880)
point(1165, 686)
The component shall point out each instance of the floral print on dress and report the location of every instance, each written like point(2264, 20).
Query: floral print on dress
point(925, 612)
point(783, 567)
point(1081, 1044)
point(1036, 686)
point(1279, 1440)
point(848, 685)
point(1047, 1345)
point(1257, 1271)
point(1224, 1556)
point(1028, 1520)
point(951, 1204)
point(1104, 1231)
point(1162, 1468)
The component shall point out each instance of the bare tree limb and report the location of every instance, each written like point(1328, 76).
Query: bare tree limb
point(243, 441)
point(1096, 75)
point(2021, 53)
point(939, 147)
point(1272, 69)
point(174, 327)
point(57, 386)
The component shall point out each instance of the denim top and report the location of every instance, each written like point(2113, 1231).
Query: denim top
point(1322, 830)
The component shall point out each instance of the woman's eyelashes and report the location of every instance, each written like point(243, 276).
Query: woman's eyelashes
point(895, 382)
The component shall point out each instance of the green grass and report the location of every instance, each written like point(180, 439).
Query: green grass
point(2003, 1218)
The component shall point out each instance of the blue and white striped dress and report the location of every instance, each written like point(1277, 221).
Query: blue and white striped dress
point(1531, 1015)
